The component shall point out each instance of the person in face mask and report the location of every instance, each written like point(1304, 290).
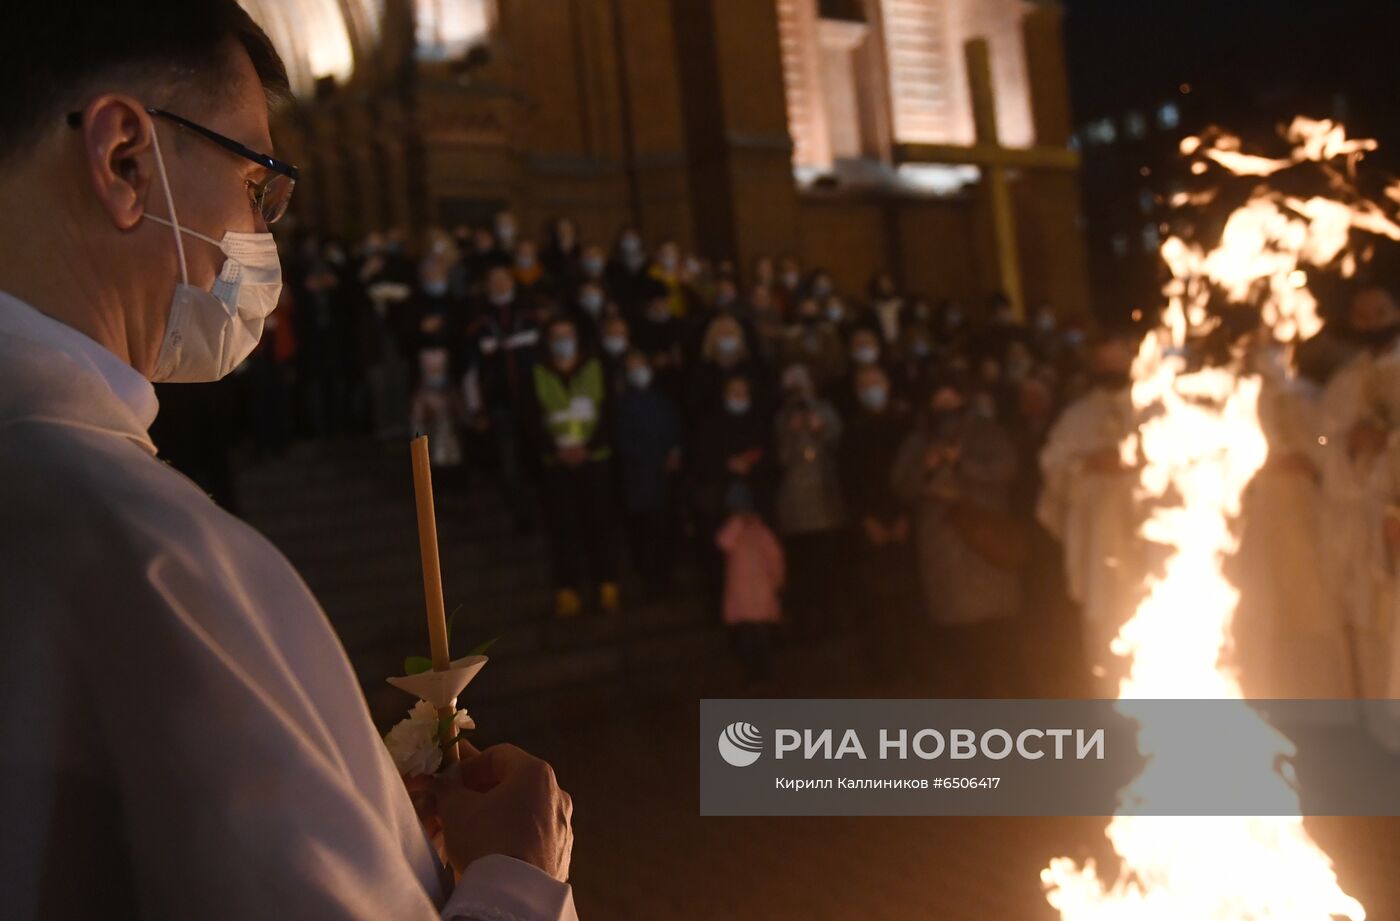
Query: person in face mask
point(731, 444)
point(1288, 631)
point(724, 352)
point(649, 438)
point(630, 254)
point(1087, 502)
point(614, 337)
point(137, 249)
point(1359, 416)
point(812, 341)
point(530, 277)
point(880, 594)
point(956, 470)
point(667, 271)
point(593, 262)
point(786, 285)
point(865, 348)
point(626, 276)
point(573, 431)
point(506, 228)
point(438, 323)
point(561, 252)
point(661, 336)
point(503, 343)
point(591, 301)
point(810, 512)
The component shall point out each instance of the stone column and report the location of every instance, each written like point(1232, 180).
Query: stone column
point(742, 187)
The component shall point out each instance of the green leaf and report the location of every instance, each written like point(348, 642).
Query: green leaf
point(415, 665)
point(461, 737)
point(444, 726)
point(480, 648)
point(450, 619)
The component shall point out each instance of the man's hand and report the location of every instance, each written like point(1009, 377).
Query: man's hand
point(572, 455)
point(505, 801)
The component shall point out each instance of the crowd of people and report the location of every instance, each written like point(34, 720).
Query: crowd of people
point(818, 455)
point(825, 459)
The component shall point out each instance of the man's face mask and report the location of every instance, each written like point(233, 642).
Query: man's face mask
point(591, 300)
point(209, 333)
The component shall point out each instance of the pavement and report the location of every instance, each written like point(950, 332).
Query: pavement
point(613, 704)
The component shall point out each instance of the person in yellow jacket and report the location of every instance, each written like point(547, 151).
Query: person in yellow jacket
point(573, 427)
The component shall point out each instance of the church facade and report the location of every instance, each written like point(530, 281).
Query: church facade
point(927, 138)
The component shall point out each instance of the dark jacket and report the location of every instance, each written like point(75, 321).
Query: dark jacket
point(648, 430)
point(867, 459)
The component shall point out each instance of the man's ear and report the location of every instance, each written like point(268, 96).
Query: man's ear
point(121, 164)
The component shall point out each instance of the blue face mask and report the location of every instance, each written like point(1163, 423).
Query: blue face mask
point(736, 406)
point(865, 355)
point(614, 345)
point(727, 346)
point(563, 349)
point(435, 288)
point(639, 377)
point(874, 398)
point(591, 301)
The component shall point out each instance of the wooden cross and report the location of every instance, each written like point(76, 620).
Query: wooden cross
point(994, 161)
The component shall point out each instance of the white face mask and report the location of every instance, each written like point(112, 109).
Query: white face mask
point(209, 333)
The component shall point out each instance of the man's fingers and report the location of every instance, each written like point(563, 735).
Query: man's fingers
point(497, 764)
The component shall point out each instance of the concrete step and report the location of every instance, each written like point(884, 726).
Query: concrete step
point(343, 513)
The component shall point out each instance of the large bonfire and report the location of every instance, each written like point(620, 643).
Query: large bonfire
point(1199, 442)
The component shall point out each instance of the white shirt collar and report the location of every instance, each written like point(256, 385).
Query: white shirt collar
point(22, 321)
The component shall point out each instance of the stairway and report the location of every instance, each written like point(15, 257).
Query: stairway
point(343, 513)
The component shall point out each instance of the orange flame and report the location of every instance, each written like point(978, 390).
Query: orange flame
point(1201, 442)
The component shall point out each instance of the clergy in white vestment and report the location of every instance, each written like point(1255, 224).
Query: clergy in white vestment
point(1289, 631)
point(1360, 423)
point(183, 734)
point(1087, 503)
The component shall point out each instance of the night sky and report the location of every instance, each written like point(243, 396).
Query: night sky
point(1249, 63)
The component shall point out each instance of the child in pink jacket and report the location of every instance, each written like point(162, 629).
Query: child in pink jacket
point(753, 577)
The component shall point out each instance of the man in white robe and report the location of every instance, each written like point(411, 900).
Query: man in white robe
point(183, 734)
point(1087, 504)
point(1360, 420)
point(1289, 631)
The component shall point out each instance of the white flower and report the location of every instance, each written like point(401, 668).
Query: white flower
point(412, 743)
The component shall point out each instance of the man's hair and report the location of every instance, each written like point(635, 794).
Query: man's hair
point(53, 53)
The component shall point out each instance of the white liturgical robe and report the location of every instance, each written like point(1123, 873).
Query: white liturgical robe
point(1360, 490)
point(183, 734)
point(1095, 518)
point(1289, 630)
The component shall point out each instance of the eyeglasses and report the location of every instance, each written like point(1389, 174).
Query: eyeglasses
point(270, 197)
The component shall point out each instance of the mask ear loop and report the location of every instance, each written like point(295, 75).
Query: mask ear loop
point(174, 221)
